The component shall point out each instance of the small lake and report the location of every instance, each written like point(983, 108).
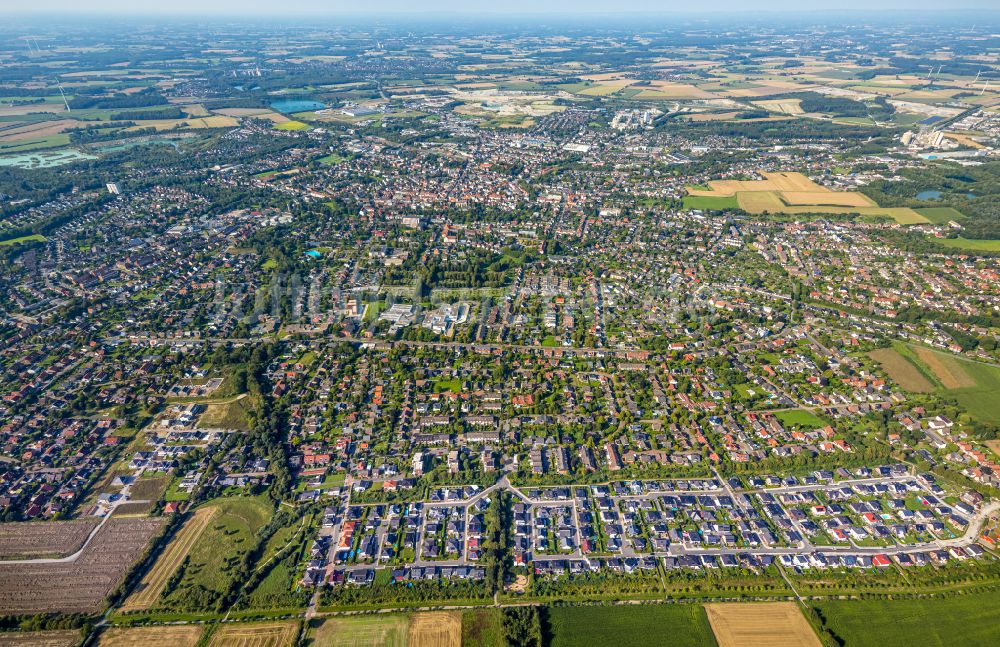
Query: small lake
point(936, 195)
point(45, 159)
point(296, 105)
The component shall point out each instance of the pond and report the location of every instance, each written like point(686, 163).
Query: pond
point(936, 195)
point(45, 159)
point(296, 105)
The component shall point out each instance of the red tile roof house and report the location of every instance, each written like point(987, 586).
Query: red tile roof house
point(881, 561)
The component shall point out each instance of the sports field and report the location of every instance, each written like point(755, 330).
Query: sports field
point(968, 620)
point(771, 624)
point(633, 625)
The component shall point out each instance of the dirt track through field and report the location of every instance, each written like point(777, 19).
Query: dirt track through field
point(770, 624)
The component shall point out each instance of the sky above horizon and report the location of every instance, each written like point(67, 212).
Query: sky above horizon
point(467, 7)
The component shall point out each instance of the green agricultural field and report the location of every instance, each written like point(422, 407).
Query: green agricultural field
point(361, 631)
point(227, 415)
point(941, 215)
point(23, 239)
point(636, 626)
point(216, 555)
point(980, 401)
point(800, 418)
point(292, 125)
point(708, 203)
point(971, 244)
point(968, 620)
point(482, 628)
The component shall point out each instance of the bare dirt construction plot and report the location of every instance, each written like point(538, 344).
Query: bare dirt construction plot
point(362, 631)
point(32, 540)
point(771, 624)
point(271, 634)
point(149, 589)
point(82, 585)
point(435, 629)
point(167, 636)
point(946, 368)
point(61, 638)
point(901, 370)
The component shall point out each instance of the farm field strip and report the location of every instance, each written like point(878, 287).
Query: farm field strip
point(794, 193)
point(274, 634)
point(362, 631)
point(81, 585)
point(435, 629)
point(946, 368)
point(161, 636)
point(152, 583)
point(770, 624)
point(27, 540)
point(56, 638)
point(901, 370)
point(968, 619)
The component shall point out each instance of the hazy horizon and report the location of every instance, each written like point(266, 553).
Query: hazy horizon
point(478, 7)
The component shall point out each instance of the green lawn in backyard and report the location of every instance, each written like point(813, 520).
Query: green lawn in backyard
point(800, 418)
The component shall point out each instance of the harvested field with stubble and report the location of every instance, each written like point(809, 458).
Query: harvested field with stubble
point(261, 634)
point(59, 638)
point(795, 194)
point(163, 636)
point(901, 370)
point(361, 631)
point(80, 586)
point(37, 539)
point(946, 368)
point(830, 198)
point(435, 629)
point(149, 589)
point(768, 624)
